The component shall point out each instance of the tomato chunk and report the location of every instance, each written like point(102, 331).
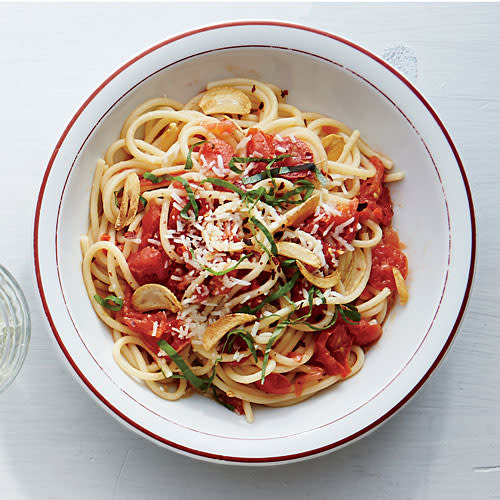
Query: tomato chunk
point(148, 265)
point(275, 383)
point(364, 333)
point(331, 350)
point(260, 144)
point(143, 323)
point(221, 128)
point(150, 223)
point(315, 373)
point(376, 196)
point(210, 151)
point(385, 256)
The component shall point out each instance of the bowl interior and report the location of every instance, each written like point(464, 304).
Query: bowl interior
point(314, 84)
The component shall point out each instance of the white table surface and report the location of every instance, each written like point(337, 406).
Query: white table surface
point(57, 443)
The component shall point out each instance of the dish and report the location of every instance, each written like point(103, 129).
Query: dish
point(360, 89)
point(241, 247)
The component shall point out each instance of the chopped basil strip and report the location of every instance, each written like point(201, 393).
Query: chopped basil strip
point(201, 383)
point(143, 200)
point(111, 302)
point(277, 332)
point(240, 332)
point(151, 177)
point(349, 313)
point(275, 172)
point(319, 175)
point(282, 290)
point(225, 271)
point(220, 401)
point(189, 162)
point(289, 263)
point(267, 234)
point(224, 184)
point(116, 193)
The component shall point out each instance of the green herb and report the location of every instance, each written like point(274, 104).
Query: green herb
point(152, 177)
point(289, 263)
point(237, 159)
point(111, 302)
point(143, 200)
point(275, 172)
point(319, 175)
point(267, 234)
point(220, 401)
point(277, 332)
point(282, 290)
point(116, 193)
point(189, 162)
point(201, 383)
point(349, 313)
point(225, 184)
point(240, 332)
point(225, 271)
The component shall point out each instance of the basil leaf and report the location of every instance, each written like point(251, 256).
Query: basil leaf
point(240, 332)
point(319, 175)
point(108, 301)
point(221, 273)
point(220, 401)
point(116, 193)
point(200, 383)
point(277, 332)
point(224, 184)
point(289, 263)
point(283, 290)
point(274, 172)
point(191, 197)
point(151, 177)
point(143, 200)
point(189, 162)
point(349, 313)
point(267, 234)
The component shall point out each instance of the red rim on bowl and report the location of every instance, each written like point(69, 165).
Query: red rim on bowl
point(307, 453)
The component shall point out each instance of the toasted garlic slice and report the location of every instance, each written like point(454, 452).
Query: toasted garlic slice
point(225, 100)
point(334, 145)
point(295, 251)
point(219, 328)
point(168, 137)
point(321, 282)
point(301, 212)
point(130, 201)
point(154, 296)
point(400, 285)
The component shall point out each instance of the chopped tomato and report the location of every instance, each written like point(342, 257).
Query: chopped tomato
point(275, 383)
point(315, 373)
point(148, 265)
point(237, 403)
point(385, 256)
point(364, 333)
point(143, 323)
point(331, 350)
point(260, 143)
point(216, 148)
point(268, 146)
point(150, 223)
point(376, 196)
point(221, 128)
point(105, 237)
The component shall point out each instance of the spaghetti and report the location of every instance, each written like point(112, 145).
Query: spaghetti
point(241, 248)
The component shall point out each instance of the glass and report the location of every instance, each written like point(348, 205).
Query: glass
point(15, 328)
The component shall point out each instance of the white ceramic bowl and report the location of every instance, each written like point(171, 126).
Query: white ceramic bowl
point(434, 217)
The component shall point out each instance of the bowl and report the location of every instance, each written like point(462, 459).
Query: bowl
point(434, 217)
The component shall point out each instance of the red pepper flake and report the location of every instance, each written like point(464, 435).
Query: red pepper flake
point(253, 88)
point(261, 105)
point(105, 237)
point(284, 93)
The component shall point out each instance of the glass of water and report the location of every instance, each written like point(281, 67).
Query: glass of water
point(15, 328)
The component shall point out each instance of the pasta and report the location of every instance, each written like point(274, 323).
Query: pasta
point(241, 248)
